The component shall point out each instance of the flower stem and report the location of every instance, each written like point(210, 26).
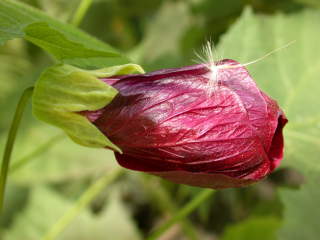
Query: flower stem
point(165, 202)
point(10, 141)
point(185, 211)
point(83, 202)
point(80, 12)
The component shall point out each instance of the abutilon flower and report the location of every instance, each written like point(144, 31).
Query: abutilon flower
point(206, 125)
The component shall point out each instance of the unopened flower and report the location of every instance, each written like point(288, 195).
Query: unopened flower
point(198, 125)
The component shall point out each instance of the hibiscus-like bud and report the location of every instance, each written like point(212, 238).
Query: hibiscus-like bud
point(203, 125)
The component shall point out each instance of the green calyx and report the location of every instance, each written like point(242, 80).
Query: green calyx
point(63, 91)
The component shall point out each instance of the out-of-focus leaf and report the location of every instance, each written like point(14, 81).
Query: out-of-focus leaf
point(15, 200)
point(45, 207)
point(114, 223)
point(63, 41)
point(59, 9)
point(14, 64)
point(215, 9)
point(43, 210)
point(61, 162)
point(312, 3)
point(262, 228)
point(291, 77)
point(302, 211)
point(163, 35)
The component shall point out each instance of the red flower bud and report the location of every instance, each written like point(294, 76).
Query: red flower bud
point(194, 126)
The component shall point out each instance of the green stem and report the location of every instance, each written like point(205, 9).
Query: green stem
point(185, 211)
point(10, 141)
point(42, 148)
point(84, 200)
point(80, 12)
point(167, 204)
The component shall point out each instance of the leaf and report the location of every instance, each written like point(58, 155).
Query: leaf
point(65, 42)
point(31, 223)
point(53, 41)
point(113, 221)
point(63, 161)
point(163, 34)
point(262, 228)
point(291, 77)
point(302, 211)
point(45, 207)
point(63, 91)
point(312, 3)
point(14, 64)
point(58, 9)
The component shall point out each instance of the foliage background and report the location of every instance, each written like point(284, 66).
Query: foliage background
point(50, 172)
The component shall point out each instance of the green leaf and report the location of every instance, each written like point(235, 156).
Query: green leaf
point(302, 211)
point(67, 43)
point(114, 221)
point(40, 159)
point(262, 228)
point(163, 36)
point(46, 206)
point(63, 91)
point(291, 77)
point(51, 40)
point(312, 3)
point(14, 65)
point(63, 161)
point(38, 215)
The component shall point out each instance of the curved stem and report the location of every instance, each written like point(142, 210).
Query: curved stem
point(10, 141)
point(185, 211)
point(80, 12)
point(83, 202)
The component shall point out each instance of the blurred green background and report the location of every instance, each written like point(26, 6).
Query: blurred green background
point(50, 172)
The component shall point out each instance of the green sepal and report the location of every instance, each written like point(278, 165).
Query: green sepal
point(63, 91)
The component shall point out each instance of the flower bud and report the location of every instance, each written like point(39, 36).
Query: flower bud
point(201, 125)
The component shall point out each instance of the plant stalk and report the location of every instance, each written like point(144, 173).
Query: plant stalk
point(83, 202)
point(10, 141)
point(80, 12)
point(185, 211)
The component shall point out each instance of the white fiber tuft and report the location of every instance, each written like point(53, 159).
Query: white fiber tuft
point(209, 57)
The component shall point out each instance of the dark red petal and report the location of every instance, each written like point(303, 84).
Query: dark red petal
point(277, 145)
point(277, 120)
